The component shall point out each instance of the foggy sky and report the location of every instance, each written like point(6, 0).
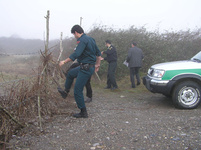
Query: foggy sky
point(25, 18)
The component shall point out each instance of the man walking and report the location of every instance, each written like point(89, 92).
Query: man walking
point(88, 55)
point(134, 60)
point(112, 60)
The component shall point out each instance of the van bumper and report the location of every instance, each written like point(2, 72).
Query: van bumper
point(158, 86)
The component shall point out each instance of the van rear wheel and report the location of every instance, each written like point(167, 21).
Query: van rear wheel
point(186, 95)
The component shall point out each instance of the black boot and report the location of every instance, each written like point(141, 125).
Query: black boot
point(64, 93)
point(82, 114)
point(88, 100)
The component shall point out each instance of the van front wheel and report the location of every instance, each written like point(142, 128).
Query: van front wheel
point(186, 95)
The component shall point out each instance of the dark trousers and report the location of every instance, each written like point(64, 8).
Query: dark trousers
point(111, 81)
point(134, 71)
point(88, 84)
point(82, 77)
point(88, 88)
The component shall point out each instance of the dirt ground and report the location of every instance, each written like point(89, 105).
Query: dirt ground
point(118, 120)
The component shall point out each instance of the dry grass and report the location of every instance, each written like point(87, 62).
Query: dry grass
point(22, 88)
point(18, 65)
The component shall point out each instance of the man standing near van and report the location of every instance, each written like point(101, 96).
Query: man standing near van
point(134, 60)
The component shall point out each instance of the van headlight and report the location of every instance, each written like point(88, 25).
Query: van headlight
point(158, 73)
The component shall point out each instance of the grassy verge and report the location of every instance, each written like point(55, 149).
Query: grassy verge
point(124, 85)
point(16, 67)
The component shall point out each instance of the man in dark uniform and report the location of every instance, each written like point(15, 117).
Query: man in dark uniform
point(88, 55)
point(88, 84)
point(112, 60)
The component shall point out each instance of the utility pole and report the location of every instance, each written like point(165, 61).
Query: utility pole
point(81, 21)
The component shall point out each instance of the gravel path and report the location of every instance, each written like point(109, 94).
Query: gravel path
point(117, 120)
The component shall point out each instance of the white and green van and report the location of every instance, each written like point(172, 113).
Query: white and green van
point(180, 80)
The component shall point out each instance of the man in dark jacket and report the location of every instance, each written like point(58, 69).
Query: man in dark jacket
point(112, 60)
point(134, 60)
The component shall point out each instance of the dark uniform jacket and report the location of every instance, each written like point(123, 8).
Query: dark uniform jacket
point(86, 50)
point(134, 57)
point(111, 54)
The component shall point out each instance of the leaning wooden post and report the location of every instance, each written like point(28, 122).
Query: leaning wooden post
point(39, 102)
point(61, 51)
point(61, 47)
point(10, 116)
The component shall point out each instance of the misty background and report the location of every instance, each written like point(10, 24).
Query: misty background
point(25, 19)
point(164, 30)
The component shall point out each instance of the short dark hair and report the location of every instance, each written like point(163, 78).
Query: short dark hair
point(77, 28)
point(134, 43)
point(108, 41)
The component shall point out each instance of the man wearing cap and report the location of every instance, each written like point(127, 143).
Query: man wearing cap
point(89, 56)
point(111, 58)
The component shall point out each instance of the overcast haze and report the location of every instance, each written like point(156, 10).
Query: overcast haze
point(25, 18)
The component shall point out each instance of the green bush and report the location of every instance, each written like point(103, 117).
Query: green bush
point(157, 47)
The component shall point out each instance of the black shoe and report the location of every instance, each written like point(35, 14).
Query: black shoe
point(88, 100)
point(132, 86)
point(82, 114)
point(63, 93)
point(107, 87)
point(114, 88)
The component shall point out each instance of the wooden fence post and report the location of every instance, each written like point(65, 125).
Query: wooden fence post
point(47, 32)
point(81, 21)
point(46, 50)
point(45, 70)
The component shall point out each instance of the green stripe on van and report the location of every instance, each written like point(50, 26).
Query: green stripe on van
point(171, 73)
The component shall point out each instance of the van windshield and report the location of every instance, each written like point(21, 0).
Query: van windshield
point(197, 57)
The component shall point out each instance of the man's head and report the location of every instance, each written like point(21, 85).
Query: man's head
point(134, 44)
point(108, 43)
point(77, 31)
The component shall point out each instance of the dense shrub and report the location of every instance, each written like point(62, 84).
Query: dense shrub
point(157, 47)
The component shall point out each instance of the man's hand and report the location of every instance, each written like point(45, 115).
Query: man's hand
point(102, 52)
point(64, 61)
point(97, 68)
point(98, 62)
point(61, 63)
